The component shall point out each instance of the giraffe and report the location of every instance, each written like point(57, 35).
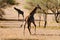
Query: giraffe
point(19, 12)
point(30, 19)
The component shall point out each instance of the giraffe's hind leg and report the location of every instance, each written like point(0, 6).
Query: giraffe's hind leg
point(24, 27)
point(35, 26)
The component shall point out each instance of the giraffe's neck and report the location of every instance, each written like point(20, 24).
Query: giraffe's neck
point(16, 9)
point(33, 12)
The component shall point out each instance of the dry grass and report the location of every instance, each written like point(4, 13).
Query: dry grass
point(48, 27)
point(41, 27)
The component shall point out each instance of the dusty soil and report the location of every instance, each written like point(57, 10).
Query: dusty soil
point(18, 33)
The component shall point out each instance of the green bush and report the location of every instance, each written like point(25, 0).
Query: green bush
point(12, 2)
point(28, 7)
point(5, 3)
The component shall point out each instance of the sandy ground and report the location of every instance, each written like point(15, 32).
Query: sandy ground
point(18, 33)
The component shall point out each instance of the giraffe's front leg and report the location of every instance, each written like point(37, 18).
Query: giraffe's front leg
point(29, 27)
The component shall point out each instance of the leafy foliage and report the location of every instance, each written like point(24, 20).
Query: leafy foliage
point(12, 2)
point(43, 3)
point(4, 3)
point(53, 5)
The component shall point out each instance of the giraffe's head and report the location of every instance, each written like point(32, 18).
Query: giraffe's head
point(38, 6)
point(15, 8)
